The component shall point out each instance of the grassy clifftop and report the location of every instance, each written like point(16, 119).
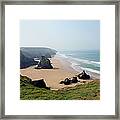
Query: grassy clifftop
point(89, 91)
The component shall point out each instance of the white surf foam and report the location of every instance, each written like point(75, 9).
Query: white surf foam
point(78, 68)
point(91, 70)
point(75, 63)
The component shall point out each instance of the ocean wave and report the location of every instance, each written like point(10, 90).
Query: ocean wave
point(91, 70)
point(78, 68)
point(76, 63)
point(97, 64)
point(79, 60)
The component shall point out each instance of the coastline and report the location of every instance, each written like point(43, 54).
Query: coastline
point(62, 69)
point(64, 60)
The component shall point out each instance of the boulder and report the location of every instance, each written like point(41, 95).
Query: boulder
point(74, 80)
point(83, 75)
point(39, 83)
point(67, 81)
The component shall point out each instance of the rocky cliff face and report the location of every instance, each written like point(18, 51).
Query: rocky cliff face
point(27, 55)
point(44, 63)
point(25, 61)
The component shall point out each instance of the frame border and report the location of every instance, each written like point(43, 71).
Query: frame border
point(60, 2)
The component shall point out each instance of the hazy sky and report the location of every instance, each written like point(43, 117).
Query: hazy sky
point(61, 34)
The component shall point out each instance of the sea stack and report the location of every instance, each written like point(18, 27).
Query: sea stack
point(44, 63)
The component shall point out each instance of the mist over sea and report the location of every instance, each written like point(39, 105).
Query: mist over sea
point(86, 59)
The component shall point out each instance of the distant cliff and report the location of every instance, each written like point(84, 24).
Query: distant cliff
point(27, 55)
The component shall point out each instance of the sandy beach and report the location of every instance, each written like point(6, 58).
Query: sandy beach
point(62, 69)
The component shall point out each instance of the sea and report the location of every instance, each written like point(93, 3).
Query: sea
point(88, 60)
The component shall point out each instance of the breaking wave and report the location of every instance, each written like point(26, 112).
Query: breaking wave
point(78, 64)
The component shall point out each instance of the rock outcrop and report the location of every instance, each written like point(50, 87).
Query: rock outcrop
point(27, 55)
point(83, 75)
point(74, 80)
point(69, 81)
point(44, 63)
point(24, 80)
point(39, 83)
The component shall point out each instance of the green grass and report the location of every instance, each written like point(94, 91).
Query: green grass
point(89, 91)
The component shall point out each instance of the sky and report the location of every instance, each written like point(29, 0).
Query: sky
point(61, 34)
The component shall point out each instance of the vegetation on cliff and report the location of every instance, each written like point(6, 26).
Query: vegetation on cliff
point(89, 91)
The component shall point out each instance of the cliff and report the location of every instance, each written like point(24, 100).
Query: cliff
point(27, 55)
